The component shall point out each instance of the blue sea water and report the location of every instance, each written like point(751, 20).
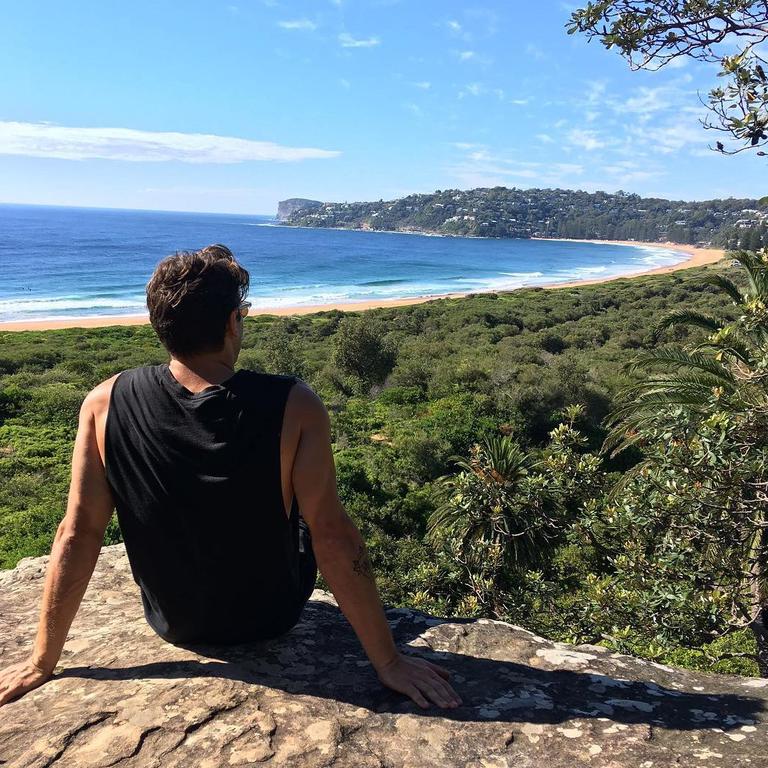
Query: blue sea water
point(74, 262)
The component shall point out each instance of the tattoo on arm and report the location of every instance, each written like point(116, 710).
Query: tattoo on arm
point(362, 564)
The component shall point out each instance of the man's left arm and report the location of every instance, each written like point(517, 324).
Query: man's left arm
point(74, 552)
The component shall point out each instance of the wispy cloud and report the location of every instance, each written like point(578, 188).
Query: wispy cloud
point(678, 63)
point(455, 29)
point(595, 91)
point(472, 89)
point(347, 41)
point(648, 119)
point(480, 89)
point(583, 139)
point(129, 145)
point(307, 24)
point(627, 172)
point(466, 55)
point(423, 85)
point(479, 165)
point(647, 102)
point(466, 145)
point(674, 136)
point(344, 83)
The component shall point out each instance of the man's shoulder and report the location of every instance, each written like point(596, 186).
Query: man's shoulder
point(246, 374)
point(305, 403)
point(98, 399)
point(301, 398)
point(259, 383)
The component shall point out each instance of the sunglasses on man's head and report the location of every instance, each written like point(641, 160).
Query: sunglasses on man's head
point(243, 309)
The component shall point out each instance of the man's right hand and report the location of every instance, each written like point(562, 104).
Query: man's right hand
point(424, 682)
point(19, 679)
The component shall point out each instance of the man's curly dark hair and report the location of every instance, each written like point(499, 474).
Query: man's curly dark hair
point(191, 296)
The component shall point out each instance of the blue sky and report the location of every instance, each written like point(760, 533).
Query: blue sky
point(232, 106)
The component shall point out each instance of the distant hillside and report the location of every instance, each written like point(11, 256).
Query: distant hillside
point(286, 208)
point(503, 212)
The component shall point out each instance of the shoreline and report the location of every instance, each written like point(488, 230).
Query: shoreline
point(696, 257)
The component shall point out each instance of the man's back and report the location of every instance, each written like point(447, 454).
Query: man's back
point(196, 480)
point(203, 464)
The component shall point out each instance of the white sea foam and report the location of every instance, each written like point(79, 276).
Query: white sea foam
point(291, 297)
point(590, 270)
point(273, 290)
point(48, 304)
point(523, 275)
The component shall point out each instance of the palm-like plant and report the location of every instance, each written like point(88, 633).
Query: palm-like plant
point(719, 385)
point(729, 369)
point(493, 509)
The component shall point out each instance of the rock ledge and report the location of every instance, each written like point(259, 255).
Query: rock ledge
point(123, 697)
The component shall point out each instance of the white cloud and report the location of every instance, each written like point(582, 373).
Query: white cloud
point(129, 145)
point(583, 139)
point(298, 24)
point(545, 138)
point(595, 91)
point(466, 55)
point(678, 63)
point(453, 25)
point(646, 101)
point(347, 41)
point(675, 136)
point(344, 83)
point(473, 89)
point(465, 145)
point(423, 85)
point(480, 166)
point(480, 89)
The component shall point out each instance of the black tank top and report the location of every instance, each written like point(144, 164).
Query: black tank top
point(197, 488)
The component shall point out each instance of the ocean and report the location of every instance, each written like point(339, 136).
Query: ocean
point(58, 263)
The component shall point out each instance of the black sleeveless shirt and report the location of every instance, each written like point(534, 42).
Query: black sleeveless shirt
point(197, 488)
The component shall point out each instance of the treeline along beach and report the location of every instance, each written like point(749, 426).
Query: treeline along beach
point(515, 385)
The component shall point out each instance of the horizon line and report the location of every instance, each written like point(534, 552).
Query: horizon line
point(136, 210)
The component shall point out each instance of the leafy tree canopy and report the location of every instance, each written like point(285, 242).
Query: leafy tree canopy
point(728, 32)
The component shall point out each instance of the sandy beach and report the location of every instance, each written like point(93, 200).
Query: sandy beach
point(696, 257)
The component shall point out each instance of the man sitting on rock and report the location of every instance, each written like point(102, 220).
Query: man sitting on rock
point(213, 473)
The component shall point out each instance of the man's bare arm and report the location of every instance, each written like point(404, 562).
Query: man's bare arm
point(74, 553)
point(343, 560)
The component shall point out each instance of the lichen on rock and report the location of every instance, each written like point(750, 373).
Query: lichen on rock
point(123, 697)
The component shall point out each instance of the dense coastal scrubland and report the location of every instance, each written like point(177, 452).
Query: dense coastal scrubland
point(501, 212)
point(410, 389)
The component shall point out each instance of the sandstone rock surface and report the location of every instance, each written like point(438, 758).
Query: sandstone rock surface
point(123, 697)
